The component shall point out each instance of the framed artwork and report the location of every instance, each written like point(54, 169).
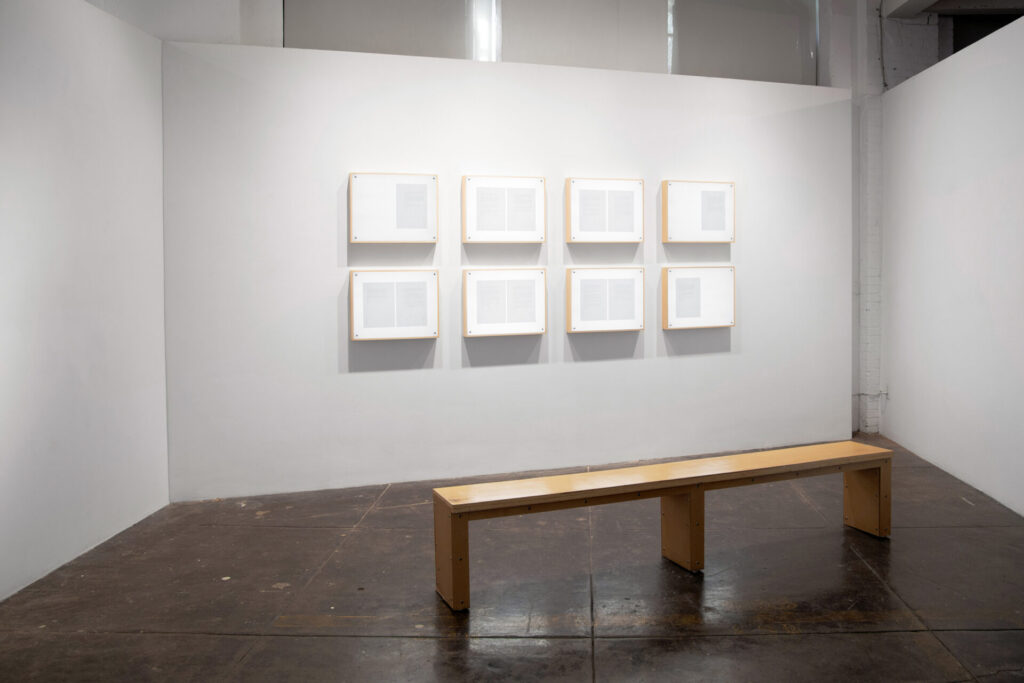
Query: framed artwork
point(393, 304)
point(392, 207)
point(694, 211)
point(604, 210)
point(503, 209)
point(503, 302)
point(698, 296)
point(604, 299)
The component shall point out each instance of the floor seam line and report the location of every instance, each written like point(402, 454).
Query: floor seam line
point(956, 659)
point(807, 499)
point(340, 545)
point(411, 636)
point(373, 505)
point(270, 526)
point(890, 588)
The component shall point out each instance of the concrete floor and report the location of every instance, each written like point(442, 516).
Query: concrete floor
point(338, 585)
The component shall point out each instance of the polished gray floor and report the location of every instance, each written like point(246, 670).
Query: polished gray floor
point(338, 585)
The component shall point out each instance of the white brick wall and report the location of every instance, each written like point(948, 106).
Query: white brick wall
point(870, 271)
point(867, 288)
point(878, 54)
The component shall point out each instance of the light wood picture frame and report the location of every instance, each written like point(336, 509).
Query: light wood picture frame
point(604, 210)
point(604, 299)
point(498, 302)
point(398, 208)
point(503, 209)
point(698, 297)
point(698, 211)
point(393, 304)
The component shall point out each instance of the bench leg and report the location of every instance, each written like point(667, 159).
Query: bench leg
point(867, 499)
point(451, 556)
point(682, 529)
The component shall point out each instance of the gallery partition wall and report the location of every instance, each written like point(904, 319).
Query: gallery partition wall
point(953, 283)
point(269, 390)
point(83, 431)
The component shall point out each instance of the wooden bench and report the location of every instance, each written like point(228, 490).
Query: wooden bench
point(867, 479)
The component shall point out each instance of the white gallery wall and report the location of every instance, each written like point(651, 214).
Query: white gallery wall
point(83, 434)
point(953, 294)
point(266, 392)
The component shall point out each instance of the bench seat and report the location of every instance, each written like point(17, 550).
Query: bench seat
point(680, 485)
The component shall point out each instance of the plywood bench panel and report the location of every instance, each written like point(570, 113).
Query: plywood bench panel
point(491, 495)
point(681, 485)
